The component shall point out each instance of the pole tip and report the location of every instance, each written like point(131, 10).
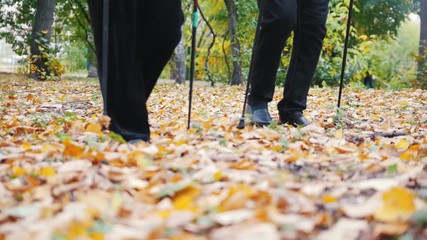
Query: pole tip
point(241, 124)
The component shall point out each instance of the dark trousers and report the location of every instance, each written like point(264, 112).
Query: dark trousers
point(278, 18)
point(143, 35)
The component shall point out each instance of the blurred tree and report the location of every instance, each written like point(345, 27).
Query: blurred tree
point(382, 17)
point(178, 69)
point(40, 38)
point(422, 57)
point(16, 18)
point(236, 78)
point(70, 21)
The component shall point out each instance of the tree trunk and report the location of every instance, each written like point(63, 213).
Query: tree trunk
point(180, 62)
point(177, 64)
point(422, 69)
point(235, 43)
point(92, 71)
point(172, 67)
point(40, 38)
point(92, 63)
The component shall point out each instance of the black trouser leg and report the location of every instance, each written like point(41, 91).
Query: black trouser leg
point(164, 20)
point(139, 44)
point(309, 34)
point(276, 21)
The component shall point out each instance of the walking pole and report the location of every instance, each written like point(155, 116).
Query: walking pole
point(344, 59)
point(193, 58)
point(105, 46)
point(242, 124)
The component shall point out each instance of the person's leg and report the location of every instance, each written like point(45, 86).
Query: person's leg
point(276, 21)
point(309, 34)
point(125, 96)
point(95, 10)
point(161, 34)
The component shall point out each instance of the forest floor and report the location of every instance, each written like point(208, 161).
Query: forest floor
point(360, 173)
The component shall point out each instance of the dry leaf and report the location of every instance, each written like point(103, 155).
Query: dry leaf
point(398, 205)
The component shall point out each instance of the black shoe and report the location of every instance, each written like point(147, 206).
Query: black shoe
point(259, 114)
point(296, 120)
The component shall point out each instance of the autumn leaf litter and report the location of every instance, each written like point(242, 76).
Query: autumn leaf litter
point(358, 174)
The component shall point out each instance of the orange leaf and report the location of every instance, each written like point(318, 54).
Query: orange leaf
point(72, 149)
point(95, 128)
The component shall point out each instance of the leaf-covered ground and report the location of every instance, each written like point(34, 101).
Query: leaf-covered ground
point(62, 178)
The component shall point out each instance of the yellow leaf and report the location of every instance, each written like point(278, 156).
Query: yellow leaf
point(183, 203)
point(164, 214)
point(329, 199)
point(398, 205)
point(76, 229)
point(26, 145)
point(218, 176)
point(47, 172)
point(48, 148)
point(62, 98)
point(207, 125)
point(96, 236)
point(294, 155)
point(339, 134)
point(410, 154)
point(238, 196)
point(402, 144)
point(181, 142)
point(117, 202)
point(184, 200)
point(18, 171)
point(95, 128)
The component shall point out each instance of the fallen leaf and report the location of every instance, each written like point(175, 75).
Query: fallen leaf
point(390, 229)
point(402, 144)
point(47, 172)
point(398, 205)
point(345, 229)
point(259, 231)
point(232, 217)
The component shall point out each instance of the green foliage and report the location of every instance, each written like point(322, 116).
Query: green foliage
point(382, 17)
point(387, 57)
point(71, 31)
point(328, 71)
point(376, 43)
point(74, 56)
point(392, 59)
point(219, 64)
point(16, 18)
